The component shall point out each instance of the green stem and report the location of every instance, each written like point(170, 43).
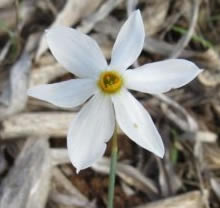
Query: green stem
point(114, 156)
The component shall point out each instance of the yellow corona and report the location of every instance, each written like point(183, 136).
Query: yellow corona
point(110, 82)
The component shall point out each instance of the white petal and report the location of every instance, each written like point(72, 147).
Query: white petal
point(160, 77)
point(89, 132)
point(136, 122)
point(77, 52)
point(129, 42)
point(65, 94)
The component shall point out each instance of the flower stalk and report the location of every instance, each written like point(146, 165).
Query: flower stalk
point(114, 156)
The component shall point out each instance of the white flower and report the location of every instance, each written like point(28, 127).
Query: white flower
point(108, 85)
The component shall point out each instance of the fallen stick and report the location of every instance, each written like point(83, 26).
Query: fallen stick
point(45, 74)
point(14, 95)
point(40, 123)
point(61, 182)
point(28, 183)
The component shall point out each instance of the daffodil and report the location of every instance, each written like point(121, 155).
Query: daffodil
point(104, 89)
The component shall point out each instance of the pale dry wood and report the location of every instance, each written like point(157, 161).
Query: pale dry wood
point(26, 12)
point(202, 136)
point(4, 51)
point(183, 42)
point(209, 60)
point(211, 155)
point(54, 124)
point(187, 123)
point(105, 44)
point(73, 11)
point(172, 19)
point(199, 167)
point(127, 189)
point(5, 3)
point(59, 156)
point(103, 26)
point(60, 181)
point(47, 59)
point(169, 181)
point(182, 123)
point(32, 43)
point(45, 74)
point(89, 22)
point(49, 4)
point(190, 200)
point(8, 18)
point(62, 199)
point(154, 15)
point(27, 184)
point(14, 95)
point(215, 184)
point(65, 194)
point(163, 48)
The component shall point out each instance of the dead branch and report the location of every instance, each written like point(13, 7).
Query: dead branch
point(27, 184)
point(26, 124)
point(15, 91)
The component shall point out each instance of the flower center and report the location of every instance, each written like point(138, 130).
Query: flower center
point(110, 82)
